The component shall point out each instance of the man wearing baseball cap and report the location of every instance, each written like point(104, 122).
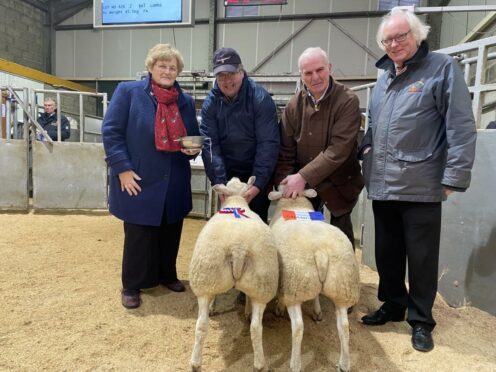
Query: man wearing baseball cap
point(239, 116)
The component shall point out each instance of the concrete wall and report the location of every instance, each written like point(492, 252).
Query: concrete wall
point(21, 34)
point(467, 272)
point(14, 174)
point(69, 176)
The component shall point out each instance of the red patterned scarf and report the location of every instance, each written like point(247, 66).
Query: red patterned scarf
point(169, 125)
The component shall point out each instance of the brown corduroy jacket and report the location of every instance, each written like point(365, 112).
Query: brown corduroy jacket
point(320, 143)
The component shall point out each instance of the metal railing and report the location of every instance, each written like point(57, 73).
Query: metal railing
point(463, 53)
point(26, 99)
point(57, 94)
point(12, 97)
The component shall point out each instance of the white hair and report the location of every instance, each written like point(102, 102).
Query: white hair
point(312, 50)
point(418, 28)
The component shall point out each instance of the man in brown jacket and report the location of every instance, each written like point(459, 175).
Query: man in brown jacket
point(319, 132)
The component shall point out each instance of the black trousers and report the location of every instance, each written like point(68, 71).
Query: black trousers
point(150, 254)
point(342, 222)
point(260, 204)
point(408, 233)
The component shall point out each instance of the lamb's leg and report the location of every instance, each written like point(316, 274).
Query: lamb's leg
point(317, 310)
point(344, 338)
point(294, 312)
point(200, 334)
point(211, 307)
point(247, 308)
point(256, 335)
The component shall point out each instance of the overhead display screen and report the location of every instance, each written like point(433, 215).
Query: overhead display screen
point(254, 2)
point(118, 11)
point(142, 13)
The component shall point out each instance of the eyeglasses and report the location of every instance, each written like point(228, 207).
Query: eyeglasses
point(226, 76)
point(165, 68)
point(398, 38)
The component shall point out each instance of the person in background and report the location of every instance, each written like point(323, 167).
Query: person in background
point(319, 132)
point(239, 116)
point(418, 149)
point(48, 121)
point(149, 171)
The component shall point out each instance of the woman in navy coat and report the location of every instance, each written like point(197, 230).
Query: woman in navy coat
point(149, 172)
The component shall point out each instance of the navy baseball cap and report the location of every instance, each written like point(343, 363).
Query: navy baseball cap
point(226, 60)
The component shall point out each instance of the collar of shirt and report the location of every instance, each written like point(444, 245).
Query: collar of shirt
point(400, 70)
point(317, 101)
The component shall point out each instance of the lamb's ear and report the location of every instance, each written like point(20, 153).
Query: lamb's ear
point(221, 189)
point(310, 193)
point(275, 195)
point(251, 180)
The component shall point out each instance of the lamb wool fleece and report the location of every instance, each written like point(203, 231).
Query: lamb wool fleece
point(314, 257)
point(235, 252)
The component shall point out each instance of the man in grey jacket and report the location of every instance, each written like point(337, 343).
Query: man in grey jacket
point(419, 148)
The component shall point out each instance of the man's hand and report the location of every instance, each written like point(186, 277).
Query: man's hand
point(294, 186)
point(447, 192)
point(128, 182)
point(251, 193)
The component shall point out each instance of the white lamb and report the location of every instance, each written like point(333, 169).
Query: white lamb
point(314, 257)
point(234, 249)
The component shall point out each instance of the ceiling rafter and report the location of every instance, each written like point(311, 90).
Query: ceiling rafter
point(38, 4)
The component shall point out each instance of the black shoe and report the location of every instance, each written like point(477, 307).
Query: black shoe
point(422, 338)
point(382, 316)
point(130, 298)
point(175, 286)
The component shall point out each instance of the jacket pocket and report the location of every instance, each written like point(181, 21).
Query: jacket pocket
point(411, 156)
point(348, 181)
point(413, 172)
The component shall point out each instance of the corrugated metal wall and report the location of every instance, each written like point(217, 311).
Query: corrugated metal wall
point(120, 54)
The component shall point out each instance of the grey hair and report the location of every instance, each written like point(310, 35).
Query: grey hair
point(418, 28)
point(50, 99)
point(310, 51)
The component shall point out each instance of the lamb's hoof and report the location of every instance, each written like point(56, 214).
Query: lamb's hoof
point(339, 369)
point(317, 317)
point(263, 369)
point(195, 369)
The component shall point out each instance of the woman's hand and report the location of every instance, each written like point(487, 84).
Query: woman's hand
point(128, 182)
point(190, 152)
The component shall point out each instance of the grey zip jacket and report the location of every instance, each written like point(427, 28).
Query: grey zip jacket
point(421, 130)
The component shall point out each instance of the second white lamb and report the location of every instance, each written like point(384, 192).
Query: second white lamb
point(314, 258)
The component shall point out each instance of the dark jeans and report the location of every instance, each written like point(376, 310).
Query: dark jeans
point(343, 222)
point(150, 254)
point(408, 233)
